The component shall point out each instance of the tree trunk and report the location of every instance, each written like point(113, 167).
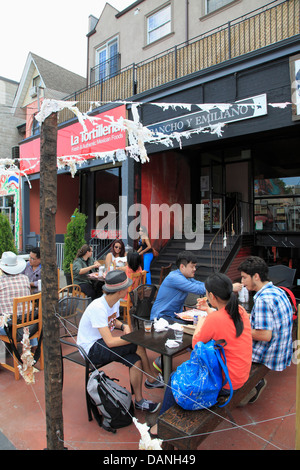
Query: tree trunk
point(48, 206)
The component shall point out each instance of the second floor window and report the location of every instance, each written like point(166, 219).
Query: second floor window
point(212, 5)
point(159, 24)
point(107, 60)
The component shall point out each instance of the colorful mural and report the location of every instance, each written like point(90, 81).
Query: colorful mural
point(10, 202)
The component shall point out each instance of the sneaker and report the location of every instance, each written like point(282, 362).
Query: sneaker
point(157, 364)
point(259, 388)
point(147, 405)
point(158, 383)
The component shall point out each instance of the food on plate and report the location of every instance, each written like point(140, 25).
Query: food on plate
point(189, 314)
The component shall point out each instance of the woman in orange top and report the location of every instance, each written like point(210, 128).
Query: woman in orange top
point(229, 322)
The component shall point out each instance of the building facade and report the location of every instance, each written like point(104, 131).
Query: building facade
point(9, 139)
point(244, 54)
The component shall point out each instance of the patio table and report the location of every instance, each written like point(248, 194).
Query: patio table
point(156, 342)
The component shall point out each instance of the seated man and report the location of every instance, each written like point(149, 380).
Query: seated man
point(95, 337)
point(271, 319)
point(33, 269)
point(13, 284)
point(176, 286)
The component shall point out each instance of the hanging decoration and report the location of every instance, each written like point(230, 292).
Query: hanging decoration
point(146, 442)
point(27, 370)
point(138, 135)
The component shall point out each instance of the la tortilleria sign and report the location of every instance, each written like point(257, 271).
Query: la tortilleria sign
point(74, 140)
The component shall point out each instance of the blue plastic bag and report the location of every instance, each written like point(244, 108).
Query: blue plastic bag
point(197, 382)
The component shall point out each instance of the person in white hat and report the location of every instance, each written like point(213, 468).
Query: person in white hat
point(12, 284)
point(95, 336)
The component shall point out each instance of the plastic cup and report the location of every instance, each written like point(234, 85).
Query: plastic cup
point(147, 326)
point(178, 335)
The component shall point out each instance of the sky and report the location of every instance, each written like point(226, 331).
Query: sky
point(55, 30)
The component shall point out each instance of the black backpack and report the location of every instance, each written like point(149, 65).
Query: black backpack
point(111, 404)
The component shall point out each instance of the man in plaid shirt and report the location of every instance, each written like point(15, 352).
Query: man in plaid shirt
point(271, 319)
point(12, 284)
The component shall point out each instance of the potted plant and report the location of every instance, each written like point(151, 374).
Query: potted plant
point(74, 239)
point(7, 242)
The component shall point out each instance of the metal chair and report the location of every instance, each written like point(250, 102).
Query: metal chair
point(69, 311)
point(142, 299)
point(282, 275)
point(27, 312)
point(190, 301)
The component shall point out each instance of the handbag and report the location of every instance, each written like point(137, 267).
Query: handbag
point(197, 382)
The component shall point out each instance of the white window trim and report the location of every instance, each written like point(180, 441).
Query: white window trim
point(218, 10)
point(153, 12)
point(106, 47)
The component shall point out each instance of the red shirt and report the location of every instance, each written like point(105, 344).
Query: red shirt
point(218, 325)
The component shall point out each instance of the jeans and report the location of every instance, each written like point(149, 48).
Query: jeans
point(148, 257)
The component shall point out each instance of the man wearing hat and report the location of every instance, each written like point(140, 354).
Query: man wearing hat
point(12, 284)
point(95, 336)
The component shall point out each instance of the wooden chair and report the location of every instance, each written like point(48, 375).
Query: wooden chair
point(165, 270)
point(27, 312)
point(137, 280)
point(71, 290)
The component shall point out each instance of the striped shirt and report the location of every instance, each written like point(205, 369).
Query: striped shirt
point(12, 286)
point(272, 311)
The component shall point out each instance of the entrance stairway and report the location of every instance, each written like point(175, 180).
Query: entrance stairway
point(169, 253)
point(242, 247)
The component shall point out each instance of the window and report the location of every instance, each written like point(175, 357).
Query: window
point(36, 81)
point(35, 126)
point(277, 204)
point(107, 60)
point(7, 207)
point(212, 5)
point(159, 24)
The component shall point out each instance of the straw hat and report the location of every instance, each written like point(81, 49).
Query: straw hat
point(116, 281)
point(10, 263)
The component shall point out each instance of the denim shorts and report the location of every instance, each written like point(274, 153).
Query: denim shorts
point(100, 353)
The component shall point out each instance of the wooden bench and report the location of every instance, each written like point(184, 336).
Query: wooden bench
point(185, 427)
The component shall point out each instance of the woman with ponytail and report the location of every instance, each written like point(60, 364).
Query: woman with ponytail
point(230, 322)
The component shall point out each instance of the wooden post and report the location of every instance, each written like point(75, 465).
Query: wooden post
point(298, 389)
point(48, 205)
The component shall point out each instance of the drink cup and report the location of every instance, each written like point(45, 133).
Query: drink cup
point(147, 326)
point(178, 335)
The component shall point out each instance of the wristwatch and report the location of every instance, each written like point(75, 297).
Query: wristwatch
point(122, 326)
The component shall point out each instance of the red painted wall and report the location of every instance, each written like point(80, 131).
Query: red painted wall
point(165, 179)
point(67, 201)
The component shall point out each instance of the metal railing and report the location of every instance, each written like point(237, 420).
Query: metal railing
point(107, 69)
point(236, 223)
point(260, 28)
